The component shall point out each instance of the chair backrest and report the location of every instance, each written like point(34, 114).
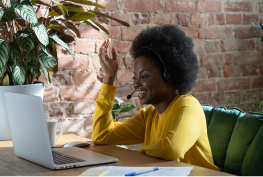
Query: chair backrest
point(236, 140)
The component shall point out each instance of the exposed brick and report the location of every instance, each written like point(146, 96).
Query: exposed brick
point(247, 32)
point(238, 6)
point(43, 78)
point(82, 77)
point(234, 19)
point(125, 90)
point(209, 6)
point(247, 45)
point(257, 82)
point(250, 19)
point(198, 46)
point(88, 123)
point(128, 62)
point(233, 84)
point(100, 76)
point(202, 73)
point(179, 6)
point(87, 31)
point(122, 16)
point(214, 72)
point(189, 31)
point(162, 18)
point(114, 32)
point(121, 46)
point(72, 125)
point(109, 4)
point(198, 19)
point(212, 46)
point(232, 97)
point(62, 79)
point(261, 69)
point(232, 71)
point(202, 98)
point(249, 96)
point(87, 107)
point(129, 34)
point(248, 70)
point(260, 45)
point(125, 75)
point(141, 5)
point(182, 19)
point(216, 19)
point(62, 50)
point(230, 44)
point(247, 57)
point(216, 98)
point(215, 32)
point(45, 105)
point(68, 63)
point(84, 47)
point(216, 59)
point(50, 95)
point(101, 19)
point(248, 107)
point(260, 7)
point(78, 93)
point(61, 109)
point(141, 18)
point(207, 85)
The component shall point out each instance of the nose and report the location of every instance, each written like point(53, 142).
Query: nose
point(136, 83)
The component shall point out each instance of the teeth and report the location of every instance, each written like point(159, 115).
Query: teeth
point(141, 91)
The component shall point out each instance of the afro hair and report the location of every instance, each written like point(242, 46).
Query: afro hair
point(175, 49)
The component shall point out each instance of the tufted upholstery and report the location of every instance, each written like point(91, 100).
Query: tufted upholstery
point(236, 140)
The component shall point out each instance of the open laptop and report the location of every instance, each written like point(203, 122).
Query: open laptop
point(31, 140)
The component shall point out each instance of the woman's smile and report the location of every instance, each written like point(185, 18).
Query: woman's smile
point(141, 94)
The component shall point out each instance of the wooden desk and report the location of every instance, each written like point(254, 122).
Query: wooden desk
point(10, 165)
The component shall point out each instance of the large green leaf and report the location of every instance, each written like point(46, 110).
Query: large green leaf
point(56, 10)
point(1, 14)
point(34, 68)
point(119, 100)
point(97, 26)
point(73, 28)
point(89, 3)
point(55, 55)
point(45, 49)
point(79, 16)
point(55, 25)
point(2, 71)
point(4, 50)
point(32, 55)
point(9, 14)
point(19, 74)
point(25, 40)
point(47, 61)
point(46, 74)
point(60, 42)
point(15, 53)
point(41, 33)
point(126, 108)
point(40, 2)
point(73, 7)
point(115, 19)
point(25, 10)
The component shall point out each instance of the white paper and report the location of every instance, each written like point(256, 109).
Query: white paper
point(164, 171)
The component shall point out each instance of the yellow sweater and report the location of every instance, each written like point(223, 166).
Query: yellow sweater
point(179, 133)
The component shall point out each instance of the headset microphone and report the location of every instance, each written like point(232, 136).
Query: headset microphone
point(129, 96)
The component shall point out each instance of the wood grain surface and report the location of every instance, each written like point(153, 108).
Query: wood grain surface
point(10, 165)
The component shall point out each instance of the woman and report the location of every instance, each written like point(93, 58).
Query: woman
point(165, 71)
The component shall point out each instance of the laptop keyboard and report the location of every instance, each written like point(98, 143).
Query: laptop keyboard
point(60, 158)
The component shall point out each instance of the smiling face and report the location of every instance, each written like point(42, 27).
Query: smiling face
point(149, 83)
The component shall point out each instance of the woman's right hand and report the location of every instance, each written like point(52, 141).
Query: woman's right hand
point(109, 65)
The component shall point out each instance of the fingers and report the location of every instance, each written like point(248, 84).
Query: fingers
point(114, 53)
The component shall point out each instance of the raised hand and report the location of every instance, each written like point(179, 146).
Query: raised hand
point(109, 65)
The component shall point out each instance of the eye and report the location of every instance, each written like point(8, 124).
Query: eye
point(144, 76)
point(134, 78)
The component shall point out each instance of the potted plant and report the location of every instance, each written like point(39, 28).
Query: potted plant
point(28, 43)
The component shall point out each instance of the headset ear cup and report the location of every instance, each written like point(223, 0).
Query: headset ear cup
point(167, 77)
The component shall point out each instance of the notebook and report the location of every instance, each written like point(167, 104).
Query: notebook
point(31, 141)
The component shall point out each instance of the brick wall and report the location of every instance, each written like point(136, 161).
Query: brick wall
point(227, 41)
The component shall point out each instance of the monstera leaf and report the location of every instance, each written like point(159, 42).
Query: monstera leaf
point(15, 53)
point(47, 61)
point(25, 40)
point(4, 50)
point(41, 33)
point(19, 73)
point(25, 10)
point(34, 68)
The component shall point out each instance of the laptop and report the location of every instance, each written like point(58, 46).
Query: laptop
point(31, 140)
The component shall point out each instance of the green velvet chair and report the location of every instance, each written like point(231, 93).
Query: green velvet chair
point(236, 140)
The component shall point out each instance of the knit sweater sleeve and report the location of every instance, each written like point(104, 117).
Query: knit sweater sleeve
point(105, 131)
